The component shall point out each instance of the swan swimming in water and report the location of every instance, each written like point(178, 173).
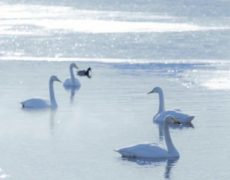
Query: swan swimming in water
point(162, 113)
point(40, 103)
point(147, 150)
point(72, 82)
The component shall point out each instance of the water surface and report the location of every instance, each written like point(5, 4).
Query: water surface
point(131, 47)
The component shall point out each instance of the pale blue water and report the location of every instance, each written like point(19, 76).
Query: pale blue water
point(132, 47)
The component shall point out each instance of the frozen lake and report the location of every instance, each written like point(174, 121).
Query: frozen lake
point(131, 49)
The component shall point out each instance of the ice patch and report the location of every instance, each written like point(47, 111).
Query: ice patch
point(67, 19)
point(218, 84)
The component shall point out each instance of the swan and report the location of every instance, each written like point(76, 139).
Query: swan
point(87, 73)
point(147, 150)
point(72, 82)
point(40, 103)
point(162, 113)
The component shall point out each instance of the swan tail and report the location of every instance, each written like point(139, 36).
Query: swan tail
point(190, 118)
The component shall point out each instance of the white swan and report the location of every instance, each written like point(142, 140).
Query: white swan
point(147, 150)
point(72, 82)
point(162, 113)
point(40, 103)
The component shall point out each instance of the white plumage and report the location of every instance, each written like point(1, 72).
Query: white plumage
point(35, 103)
point(162, 113)
point(151, 150)
point(72, 81)
point(41, 103)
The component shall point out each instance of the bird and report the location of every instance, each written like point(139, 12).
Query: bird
point(87, 72)
point(162, 113)
point(72, 82)
point(152, 150)
point(41, 103)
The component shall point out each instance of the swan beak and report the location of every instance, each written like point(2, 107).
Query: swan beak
point(151, 92)
point(76, 66)
point(58, 80)
point(176, 122)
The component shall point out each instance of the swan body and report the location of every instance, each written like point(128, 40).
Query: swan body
point(151, 150)
point(145, 150)
point(162, 113)
point(180, 116)
point(72, 81)
point(41, 103)
point(35, 103)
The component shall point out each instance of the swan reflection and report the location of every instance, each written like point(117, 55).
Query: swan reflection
point(72, 91)
point(52, 120)
point(168, 163)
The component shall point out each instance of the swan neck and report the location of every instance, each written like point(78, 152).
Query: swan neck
point(52, 97)
point(161, 102)
point(71, 73)
point(168, 140)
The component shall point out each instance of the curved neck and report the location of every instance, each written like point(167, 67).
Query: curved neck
point(52, 97)
point(71, 73)
point(161, 102)
point(168, 140)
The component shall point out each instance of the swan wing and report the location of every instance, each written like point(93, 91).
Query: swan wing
point(35, 103)
point(145, 150)
point(179, 115)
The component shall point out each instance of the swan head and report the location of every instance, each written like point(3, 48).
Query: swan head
point(54, 78)
point(156, 90)
point(73, 65)
point(171, 119)
point(89, 69)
